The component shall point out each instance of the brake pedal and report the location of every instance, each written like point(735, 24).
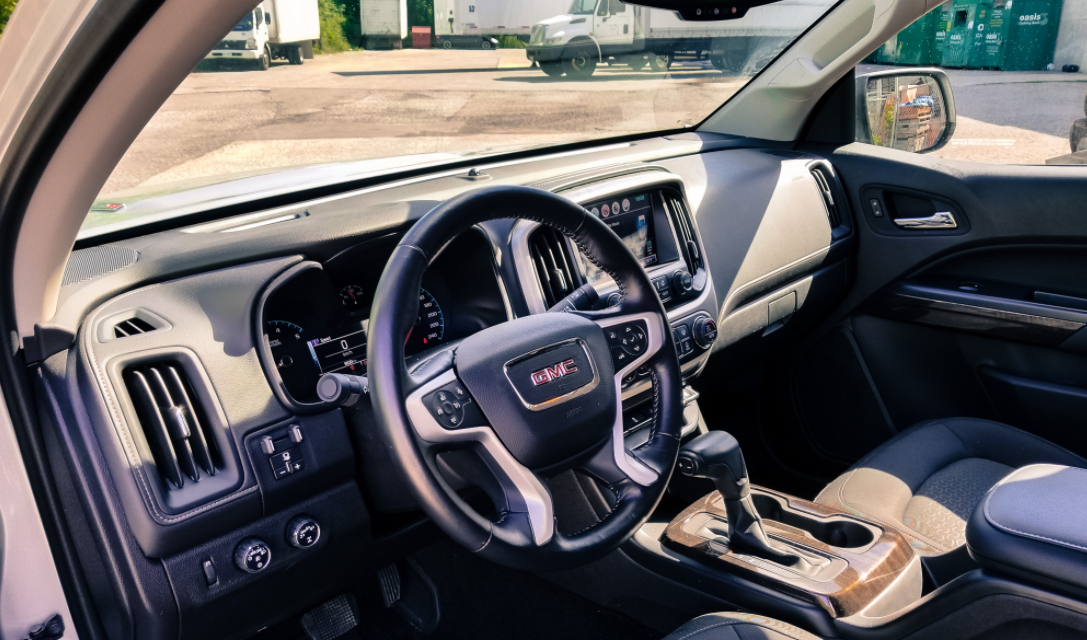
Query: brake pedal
point(331, 619)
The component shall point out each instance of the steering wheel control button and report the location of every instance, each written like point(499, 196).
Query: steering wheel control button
point(252, 555)
point(705, 331)
point(682, 282)
point(303, 532)
point(452, 407)
point(627, 342)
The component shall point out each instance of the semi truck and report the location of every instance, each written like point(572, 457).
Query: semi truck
point(594, 32)
point(471, 23)
point(274, 30)
point(384, 23)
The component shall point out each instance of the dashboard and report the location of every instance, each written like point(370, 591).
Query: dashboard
point(236, 320)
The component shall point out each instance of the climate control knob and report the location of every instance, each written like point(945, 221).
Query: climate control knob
point(252, 555)
point(705, 332)
point(303, 532)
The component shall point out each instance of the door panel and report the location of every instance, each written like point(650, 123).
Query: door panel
point(987, 320)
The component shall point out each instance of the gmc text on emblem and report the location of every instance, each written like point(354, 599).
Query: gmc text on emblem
point(554, 372)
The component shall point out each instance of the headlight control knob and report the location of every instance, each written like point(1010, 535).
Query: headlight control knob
point(252, 555)
point(303, 532)
point(682, 282)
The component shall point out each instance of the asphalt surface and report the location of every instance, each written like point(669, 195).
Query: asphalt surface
point(378, 104)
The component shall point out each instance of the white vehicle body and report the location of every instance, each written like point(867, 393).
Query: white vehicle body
point(616, 32)
point(384, 23)
point(275, 29)
point(492, 17)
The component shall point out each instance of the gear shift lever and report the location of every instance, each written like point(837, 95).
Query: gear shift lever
point(717, 456)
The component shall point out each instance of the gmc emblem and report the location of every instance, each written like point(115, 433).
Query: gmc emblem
point(554, 372)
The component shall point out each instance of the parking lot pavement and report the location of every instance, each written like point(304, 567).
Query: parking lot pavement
point(374, 104)
point(369, 104)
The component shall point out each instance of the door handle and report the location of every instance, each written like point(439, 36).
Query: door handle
point(941, 220)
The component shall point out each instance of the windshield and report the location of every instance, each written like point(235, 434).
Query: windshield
point(246, 24)
point(340, 93)
point(583, 7)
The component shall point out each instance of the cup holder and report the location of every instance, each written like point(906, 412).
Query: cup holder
point(841, 533)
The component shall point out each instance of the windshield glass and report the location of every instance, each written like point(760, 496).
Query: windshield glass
point(342, 91)
point(583, 7)
point(246, 24)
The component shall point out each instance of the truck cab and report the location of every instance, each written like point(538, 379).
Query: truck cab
point(247, 41)
point(592, 31)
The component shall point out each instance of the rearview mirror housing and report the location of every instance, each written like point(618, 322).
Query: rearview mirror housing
point(703, 10)
point(907, 109)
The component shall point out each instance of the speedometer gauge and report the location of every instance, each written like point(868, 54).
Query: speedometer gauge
point(429, 329)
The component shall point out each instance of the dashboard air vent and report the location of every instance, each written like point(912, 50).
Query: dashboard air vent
point(176, 428)
point(681, 218)
point(132, 327)
point(833, 198)
point(554, 264)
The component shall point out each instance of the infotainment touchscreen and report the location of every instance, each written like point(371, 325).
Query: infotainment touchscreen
point(631, 218)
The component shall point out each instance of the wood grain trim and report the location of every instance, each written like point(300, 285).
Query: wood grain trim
point(871, 569)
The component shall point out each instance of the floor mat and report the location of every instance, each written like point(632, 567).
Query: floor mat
point(480, 600)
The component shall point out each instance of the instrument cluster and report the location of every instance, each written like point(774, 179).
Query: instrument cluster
point(316, 322)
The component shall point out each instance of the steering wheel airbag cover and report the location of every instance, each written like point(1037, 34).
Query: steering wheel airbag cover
point(550, 434)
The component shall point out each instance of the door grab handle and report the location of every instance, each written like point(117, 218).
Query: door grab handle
point(941, 220)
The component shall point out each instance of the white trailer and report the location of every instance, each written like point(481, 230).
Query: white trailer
point(474, 21)
point(608, 31)
point(274, 30)
point(384, 23)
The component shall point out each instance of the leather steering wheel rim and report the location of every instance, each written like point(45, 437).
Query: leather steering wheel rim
point(521, 537)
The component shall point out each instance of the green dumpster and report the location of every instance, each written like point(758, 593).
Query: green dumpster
point(1031, 34)
point(975, 43)
point(939, 37)
point(960, 35)
point(991, 53)
point(912, 46)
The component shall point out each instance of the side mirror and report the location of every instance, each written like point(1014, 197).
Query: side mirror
point(907, 109)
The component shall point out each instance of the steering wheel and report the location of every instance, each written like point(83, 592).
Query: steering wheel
point(534, 396)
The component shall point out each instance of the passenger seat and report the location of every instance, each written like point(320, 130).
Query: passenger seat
point(927, 480)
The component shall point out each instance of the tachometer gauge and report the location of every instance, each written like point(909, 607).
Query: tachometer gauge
point(287, 343)
point(429, 329)
point(292, 359)
point(351, 296)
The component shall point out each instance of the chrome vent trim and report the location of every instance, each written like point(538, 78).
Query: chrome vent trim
point(681, 219)
point(552, 259)
point(831, 191)
point(176, 429)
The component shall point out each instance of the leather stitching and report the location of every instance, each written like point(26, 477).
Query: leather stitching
point(653, 433)
point(1025, 534)
point(591, 258)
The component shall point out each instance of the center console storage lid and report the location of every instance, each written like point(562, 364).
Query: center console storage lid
point(1033, 523)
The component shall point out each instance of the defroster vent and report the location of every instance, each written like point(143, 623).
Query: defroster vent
point(554, 264)
point(176, 428)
